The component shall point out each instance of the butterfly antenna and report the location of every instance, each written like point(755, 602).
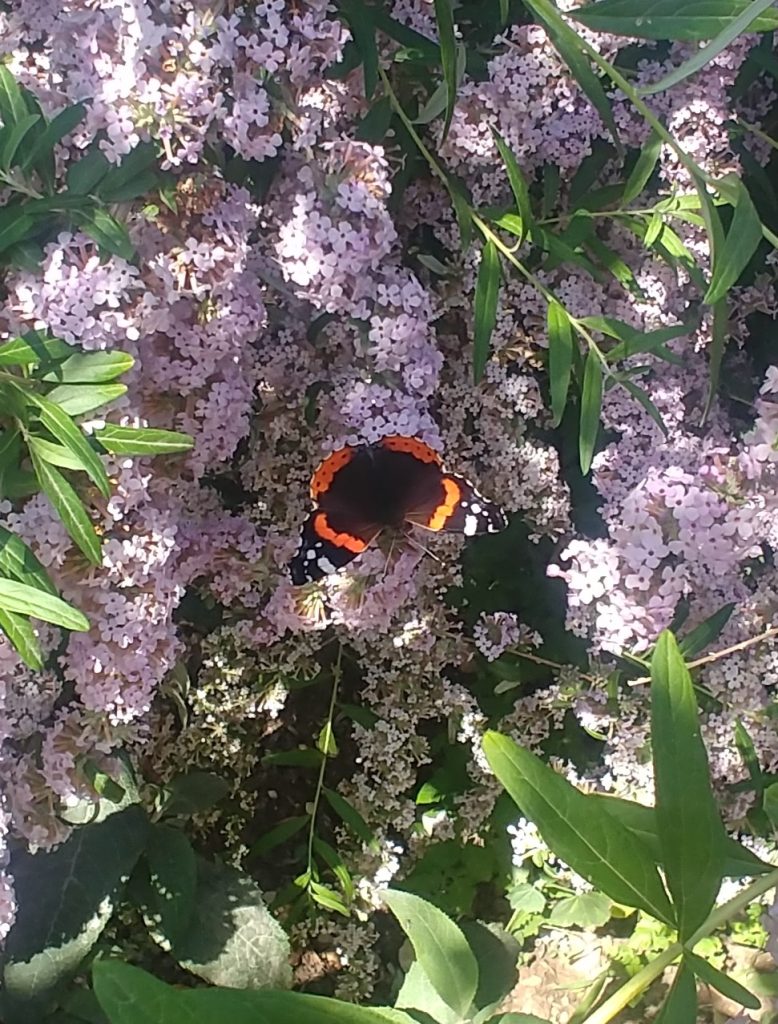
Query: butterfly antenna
point(388, 560)
point(420, 547)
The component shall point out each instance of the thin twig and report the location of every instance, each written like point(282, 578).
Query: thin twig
point(718, 655)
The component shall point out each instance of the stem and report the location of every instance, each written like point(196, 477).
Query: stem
point(637, 985)
point(718, 655)
point(336, 673)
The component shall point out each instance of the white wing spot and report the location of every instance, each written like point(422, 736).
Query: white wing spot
point(310, 554)
point(326, 565)
point(471, 525)
point(476, 509)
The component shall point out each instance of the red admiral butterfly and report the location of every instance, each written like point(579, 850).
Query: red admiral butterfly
point(360, 490)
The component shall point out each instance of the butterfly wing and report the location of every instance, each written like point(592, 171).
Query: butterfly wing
point(329, 540)
point(450, 502)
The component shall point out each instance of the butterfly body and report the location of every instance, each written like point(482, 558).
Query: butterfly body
point(398, 482)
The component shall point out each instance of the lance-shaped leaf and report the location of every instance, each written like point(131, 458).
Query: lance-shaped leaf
point(69, 507)
point(487, 291)
point(597, 846)
point(21, 635)
point(55, 420)
point(518, 184)
point(448, 57)
point(142, 440)
point(591, 406)
point(89, 368)
point(744, 235)
point(680, 1006)
point(77, 399)
point(689, 21)
point(26, 600)
point(691, 834)
point(56, 130)
point(560, 358)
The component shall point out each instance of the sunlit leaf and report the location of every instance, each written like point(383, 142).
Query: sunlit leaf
point(728, 987)
point(591, 406)
point(69, 508)
point(689, 21)
point(643, 169)
point(487, 292)
point(560, 358)
point(518, 184)
point(57, 421)
point(142, 440)
point(26, 600)
point(20, 634)
point(448, 57)
point(739, 245)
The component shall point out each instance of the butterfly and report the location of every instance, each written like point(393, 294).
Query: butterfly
point(359, 490)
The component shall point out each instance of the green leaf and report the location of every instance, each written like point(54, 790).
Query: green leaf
point(89, 368)
point(680, 1006)
point(68, 507)
point(109, 234)
point(117, 184)
point(33, 348)
point(129, 995)
point(598, 847)
point(172, 881)
point(643, 169)
point(193, 793)
point(448, 57)
point(731, 989)
point(77, 399)
point(667, 19)
point(276, 836)
point(14, 139)
point(20, 634)
point(560, 358)
point(740, 244)
point(727, 35)
point(691, 834)
point(591, 405)
point(327, 898)
point(15, 225)
point(421, 1000)
point(584, 910)
point(440, 948)
point(568, 45)
point(350, 816)
point(55, 420)
point(360, 21)
point(438, 101)
point(65, 897)
point(335, 863)
point(19, 563)
point(56, 130)
point(26, 600)
point(84, 174)
point(496, 953)
point(303, 757)
point(697, 639)
point(518, 184)
point(252, 950)
point(718, 344)
point(326, 741)
point(12, 106)
point(770, 803)
point(142, 440)
point(487, 291)
point(54, 454)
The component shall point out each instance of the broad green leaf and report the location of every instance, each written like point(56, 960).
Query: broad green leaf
point(106, 231)
point(14, 139)
point(698, 60)
point(680, 1006)
point(584, 910)
point(697, 639)
point(77, 399)
point(448, 57)
point(69, 508)
point(142, 440)
point(440, 948)
point(54, 454)
point(560, 358)
point(518, 184)
point(12, 106)
point(420, 999)
point(84, 174)
point(21, 635)
point(252, 951)
point(487, 291)
point(740, 244)
point(568, 45)
point(728, 987)
point(56, 130)
point(15, 225)
point(90, 368)
point(689, 21)
point(129, 995)
point(643, 169)
point(33, 348)
point(172, 881)
point(65, 897)
point(27, 600)
point(18, 562)
point(363, 30)
point(276, 836)
point(497, 954)
point(55, 420)
point(691, 834)
point(193, 793)
point(591, 406)
point(597, 846)
point(350, 816)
